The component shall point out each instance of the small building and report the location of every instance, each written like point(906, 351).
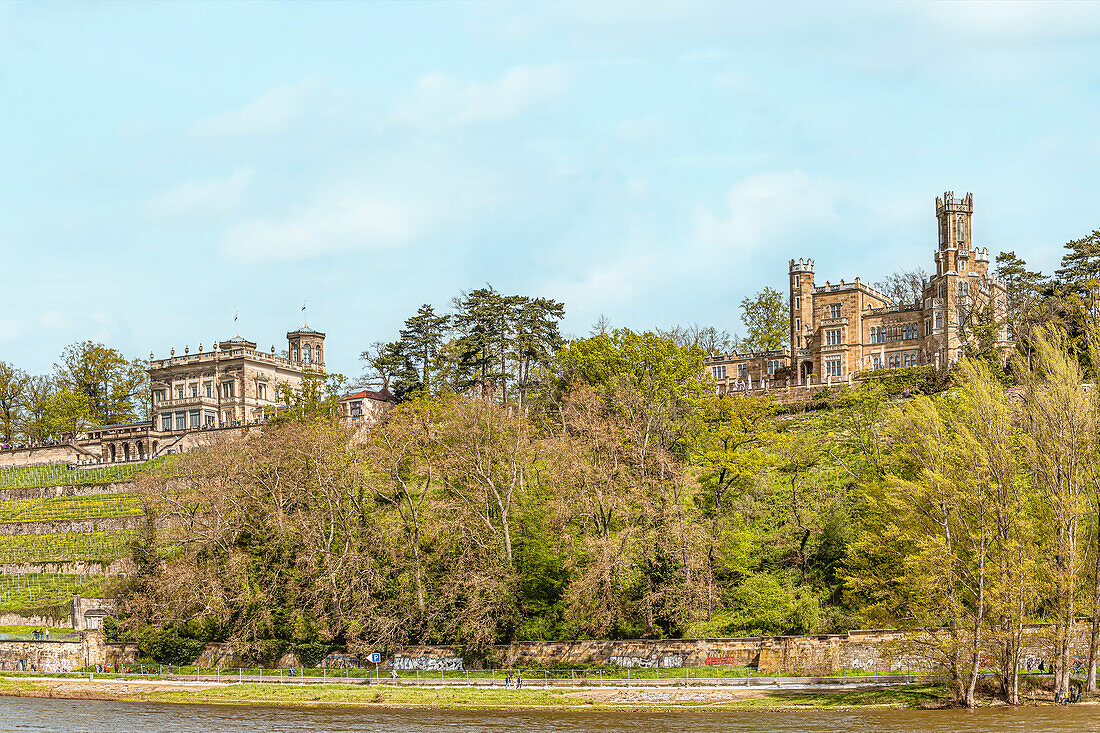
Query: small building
point(366, 406)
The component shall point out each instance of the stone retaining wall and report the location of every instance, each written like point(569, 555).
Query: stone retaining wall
point(50, 492)
point(53, 526)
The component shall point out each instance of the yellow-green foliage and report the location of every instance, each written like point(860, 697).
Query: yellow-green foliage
point(70, 507)
point(37, 589)
point(23, 477)
point(64, 546)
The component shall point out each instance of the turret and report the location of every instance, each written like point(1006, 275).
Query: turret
point(305, 347)
point(801, 297)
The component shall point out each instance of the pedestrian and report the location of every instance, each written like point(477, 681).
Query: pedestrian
point(519, 680)
point(47, 632)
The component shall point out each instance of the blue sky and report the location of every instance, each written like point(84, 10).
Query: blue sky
point(163, 166)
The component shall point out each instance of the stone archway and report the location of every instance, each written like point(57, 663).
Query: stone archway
point(114, 452)
point(141, 450)
point(126, 452)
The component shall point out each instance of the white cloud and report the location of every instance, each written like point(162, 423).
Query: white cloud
point(10, 328)
point(218, 196)
point(333, 224)
point(770, 206)
point(441, 99)
point(273, 111)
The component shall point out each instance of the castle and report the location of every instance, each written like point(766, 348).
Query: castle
point(199, 397)
point(839, 330)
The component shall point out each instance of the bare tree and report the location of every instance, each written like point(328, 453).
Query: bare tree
point(903, 287)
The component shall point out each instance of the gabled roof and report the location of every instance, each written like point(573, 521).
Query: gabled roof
point(382, 395)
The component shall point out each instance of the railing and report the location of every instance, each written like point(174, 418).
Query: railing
point(518, 677)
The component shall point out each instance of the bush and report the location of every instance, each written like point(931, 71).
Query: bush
point(310, 655)
point(763, 607)
point(167, 647)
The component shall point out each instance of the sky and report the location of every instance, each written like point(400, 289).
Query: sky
point(165, 167)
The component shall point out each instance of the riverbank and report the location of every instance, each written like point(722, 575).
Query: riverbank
point(380, 696)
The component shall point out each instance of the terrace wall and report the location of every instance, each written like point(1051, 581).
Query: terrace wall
point(53, 492)
point(53, 526)
point(63, 453)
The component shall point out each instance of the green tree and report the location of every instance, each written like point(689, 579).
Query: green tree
point(1081, 262)
point(767, 320)
point(481, 320)
point(316, 397)
point(38, 421)
point(421, 339)
point(114, 389)
point(13, 386)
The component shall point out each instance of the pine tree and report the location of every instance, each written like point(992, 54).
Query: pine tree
point(422, 338)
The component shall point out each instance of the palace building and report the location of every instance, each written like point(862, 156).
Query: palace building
point(838, 330)
point(231, 384)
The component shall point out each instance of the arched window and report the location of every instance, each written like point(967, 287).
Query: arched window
point(307, 353)
point(318, 355)
point(295, 354)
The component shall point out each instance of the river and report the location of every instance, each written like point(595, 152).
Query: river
point(79, 716)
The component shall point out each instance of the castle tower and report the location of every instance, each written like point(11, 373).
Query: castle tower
point(955, 245)
point(801, 296)
point(305, 347)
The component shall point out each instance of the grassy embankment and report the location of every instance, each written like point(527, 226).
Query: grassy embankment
point(296, 695)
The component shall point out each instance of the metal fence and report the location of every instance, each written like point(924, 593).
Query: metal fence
point(514, 678)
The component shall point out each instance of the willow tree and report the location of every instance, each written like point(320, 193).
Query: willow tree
point(1061, 423)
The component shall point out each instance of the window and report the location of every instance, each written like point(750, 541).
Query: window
point(893, 362)
point(181, 421)
point(797, 280)
point(209, 387)
point(773, 366)
point(209, 418)
point(166, 423)
point(797, 302)
point(798, 324)
point(960, 226)
point(158, 395)
point(194, 415)
point(939, 321)
point(742, 371)
point(295, 352)
point(834, 310)
point(832, 337)
point(832, 367)
point(227, 390)
point(179, 393)
point(719, 372)
point(194, 390)
point(261, 391)
point(927, 326)
point(909, 360)
point(308, 352)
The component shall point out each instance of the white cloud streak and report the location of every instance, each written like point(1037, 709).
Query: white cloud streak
point(336, 223)
point(198, 198)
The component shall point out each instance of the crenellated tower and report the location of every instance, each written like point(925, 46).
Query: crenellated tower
point(801, 297)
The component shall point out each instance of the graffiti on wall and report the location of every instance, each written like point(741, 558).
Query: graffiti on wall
point(722, 661)
point(431, 662)
point(647, 662)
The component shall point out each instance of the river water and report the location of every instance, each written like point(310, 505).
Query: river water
point(79, 716)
